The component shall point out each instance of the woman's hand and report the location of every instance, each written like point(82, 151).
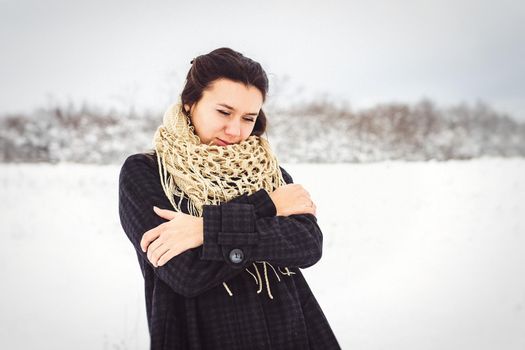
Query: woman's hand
point(292, 199)
point(171, 238)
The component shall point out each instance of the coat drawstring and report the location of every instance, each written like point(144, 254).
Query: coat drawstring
point(258, 279)
point(227, 289)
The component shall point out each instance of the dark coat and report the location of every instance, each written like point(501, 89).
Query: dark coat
point(187, 305)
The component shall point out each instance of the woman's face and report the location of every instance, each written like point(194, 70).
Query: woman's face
point(226, 113)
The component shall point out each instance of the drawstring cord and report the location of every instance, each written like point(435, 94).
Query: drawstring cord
point(258, 279)
point(227, 289)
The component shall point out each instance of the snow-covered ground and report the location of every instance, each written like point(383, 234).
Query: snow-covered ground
point(422, 255)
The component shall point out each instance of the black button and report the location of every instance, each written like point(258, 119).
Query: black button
point(236, 256)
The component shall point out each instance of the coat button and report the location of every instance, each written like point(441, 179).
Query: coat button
point(236, 255)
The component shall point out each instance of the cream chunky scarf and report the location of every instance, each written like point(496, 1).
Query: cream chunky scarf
point(212, 174)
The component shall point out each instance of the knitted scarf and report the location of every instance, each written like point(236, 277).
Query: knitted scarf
point(212, 174)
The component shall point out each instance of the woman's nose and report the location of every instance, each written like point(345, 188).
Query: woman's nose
point(233, 128)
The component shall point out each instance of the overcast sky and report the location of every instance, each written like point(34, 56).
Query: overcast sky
point(117, 53)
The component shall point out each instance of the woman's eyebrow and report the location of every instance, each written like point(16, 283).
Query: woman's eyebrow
point(230, 107)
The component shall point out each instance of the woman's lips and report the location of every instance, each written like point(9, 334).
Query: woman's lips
point(222, 143)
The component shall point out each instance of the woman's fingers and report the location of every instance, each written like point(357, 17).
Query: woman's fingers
point(167, 256)
point(155, 251)
point(172, 238)
point(292, 199)
point(165, 213)
point(149, 236)
point(174, 248)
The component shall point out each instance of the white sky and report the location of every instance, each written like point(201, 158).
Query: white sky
point(116, 53)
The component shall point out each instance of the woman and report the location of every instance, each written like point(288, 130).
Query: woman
point(219, 229)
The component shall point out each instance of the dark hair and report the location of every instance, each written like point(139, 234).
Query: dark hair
point(225, 63)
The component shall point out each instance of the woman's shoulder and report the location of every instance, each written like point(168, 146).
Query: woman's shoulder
point(149, 157)
point(286, 176)
point(139, 162)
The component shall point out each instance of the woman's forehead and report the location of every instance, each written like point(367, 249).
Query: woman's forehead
point(234, 95)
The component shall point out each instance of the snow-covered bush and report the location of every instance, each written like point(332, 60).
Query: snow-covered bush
point(318, 131)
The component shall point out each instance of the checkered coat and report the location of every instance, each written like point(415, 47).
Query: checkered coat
point(187, 304)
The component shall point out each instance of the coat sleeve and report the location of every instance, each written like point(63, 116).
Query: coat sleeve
point(234, 230)
point(188, 273)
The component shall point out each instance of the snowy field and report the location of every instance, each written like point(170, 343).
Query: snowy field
point(416, 256)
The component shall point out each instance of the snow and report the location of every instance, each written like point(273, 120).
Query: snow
point(417, 255)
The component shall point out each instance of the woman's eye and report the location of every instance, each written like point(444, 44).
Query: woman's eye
point(226, 113)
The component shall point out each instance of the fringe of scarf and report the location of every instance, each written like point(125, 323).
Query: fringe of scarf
point(211, 174)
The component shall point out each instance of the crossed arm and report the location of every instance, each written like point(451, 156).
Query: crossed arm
point(247, 222)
